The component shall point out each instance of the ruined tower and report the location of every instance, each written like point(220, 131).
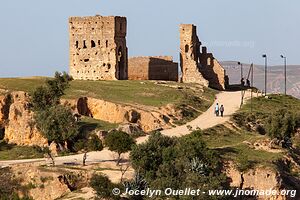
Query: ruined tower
point(189, 55)
point(196, 66)
point(98, 48)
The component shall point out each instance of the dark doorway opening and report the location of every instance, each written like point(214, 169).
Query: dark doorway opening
point(121, 65)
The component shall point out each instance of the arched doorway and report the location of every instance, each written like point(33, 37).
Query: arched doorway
point(121, 64)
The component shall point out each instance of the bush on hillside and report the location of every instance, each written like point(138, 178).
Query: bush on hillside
point(119, 142)
point(179, 163)
point(103, 187)
point(57, 124)
point(281, 124)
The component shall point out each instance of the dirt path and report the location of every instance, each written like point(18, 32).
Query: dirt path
point(230, 100)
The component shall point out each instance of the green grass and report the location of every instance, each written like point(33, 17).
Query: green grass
point(264, 106)
point(88, 123)
point(221, 136)
point(229, 143)
point(247, 158)
point(14, 152)
point(133, 92)
point(21, 84)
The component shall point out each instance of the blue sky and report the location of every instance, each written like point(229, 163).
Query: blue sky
point(34, 33)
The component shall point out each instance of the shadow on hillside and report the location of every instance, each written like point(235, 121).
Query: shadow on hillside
point(5, 146)
point(87, 126)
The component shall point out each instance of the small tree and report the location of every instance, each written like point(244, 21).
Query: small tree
point(57, 124)
point(119, 142)
point(47, 151)
point(55, 121)
point(49, 94)
point(93, 144)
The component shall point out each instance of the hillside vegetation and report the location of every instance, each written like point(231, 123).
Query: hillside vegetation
point(259, 132)
point(133, 92)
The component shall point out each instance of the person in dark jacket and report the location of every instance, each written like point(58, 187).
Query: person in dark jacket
point(222, 110)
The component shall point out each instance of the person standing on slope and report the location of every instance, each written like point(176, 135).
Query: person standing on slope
point(217, 110)
point(222, 110)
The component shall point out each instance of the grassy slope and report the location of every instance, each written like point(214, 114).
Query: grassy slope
point(230, 142)
point(14, 152)
point(263, 107)
point(133, 92)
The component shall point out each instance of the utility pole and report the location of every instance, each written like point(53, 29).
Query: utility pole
point(241, 64)
point(266, 66)
point(252, 67)
point(284, 57)
point(242, 86)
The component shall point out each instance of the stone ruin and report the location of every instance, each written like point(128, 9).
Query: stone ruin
point(98, 51)
point(196, 66)
point(98, 48)
point(152, 68)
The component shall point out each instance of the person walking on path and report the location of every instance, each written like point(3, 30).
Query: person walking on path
point(222, 110)
point(217, 110)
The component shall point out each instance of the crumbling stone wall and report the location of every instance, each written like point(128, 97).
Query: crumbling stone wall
point(212, 70)
point(189, 55)
point(196, 66)
point(98, 48)
point(152, 68)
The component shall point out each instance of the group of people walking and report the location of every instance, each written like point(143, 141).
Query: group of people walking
point(219, 110)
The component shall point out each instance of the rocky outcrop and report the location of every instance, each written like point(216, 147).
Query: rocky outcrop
point(148, 119)
point(5, 102)
point(130, 129)
point(259, 178)
point(20, 128)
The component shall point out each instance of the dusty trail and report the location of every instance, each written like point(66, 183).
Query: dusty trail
point(230, 100)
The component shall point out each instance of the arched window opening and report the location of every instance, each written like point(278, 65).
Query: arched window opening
point(186, 49)
point(208, 61)
point(93, 44)
point(84, 45)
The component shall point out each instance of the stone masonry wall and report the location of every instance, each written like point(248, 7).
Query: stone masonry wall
point(152, 68)
point(189, 55)
point(196, 66)
point(212, 70)
point(98, 48)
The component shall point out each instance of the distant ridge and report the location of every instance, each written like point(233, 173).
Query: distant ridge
point(275, 76)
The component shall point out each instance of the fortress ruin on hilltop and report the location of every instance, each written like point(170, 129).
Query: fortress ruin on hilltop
point(98, 51)
point(196, 66)
point(98, 48)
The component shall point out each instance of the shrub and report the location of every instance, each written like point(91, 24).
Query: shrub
point(94, 143)
point(57, 124)
point(79, 145)
point(179, 163)
point(281, 124)
point(119, 142)
point(103, 186)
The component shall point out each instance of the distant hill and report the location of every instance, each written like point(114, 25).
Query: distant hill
point(275, 77)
